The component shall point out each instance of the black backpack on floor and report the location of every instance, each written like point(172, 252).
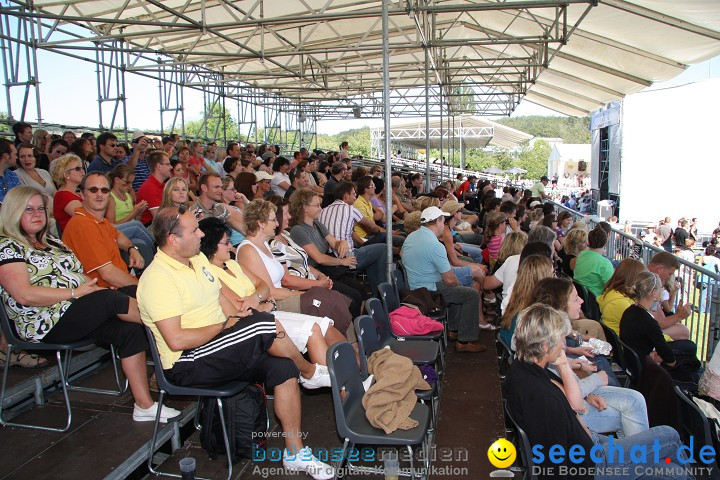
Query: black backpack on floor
point(245, 414)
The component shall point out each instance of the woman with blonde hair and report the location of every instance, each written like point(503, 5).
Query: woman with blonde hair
point(532, 269)
point(255, 256)
point(175, 193)
point(67, 172)
point(615, 297)
point(640, 331)
point(50, 299)
point(537, 402)
point(512, 244)
point(427, 201)
point(574, 242)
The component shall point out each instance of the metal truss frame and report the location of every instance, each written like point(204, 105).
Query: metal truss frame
point(297, 73)
point(289, 58)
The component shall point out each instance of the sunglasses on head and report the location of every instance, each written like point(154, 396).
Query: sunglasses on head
point(104, 190)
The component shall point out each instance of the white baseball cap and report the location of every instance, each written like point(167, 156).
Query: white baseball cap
point(431, 213)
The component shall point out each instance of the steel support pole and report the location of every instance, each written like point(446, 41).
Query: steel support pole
point(462, 147)
point(386, 119)
point(427, 119)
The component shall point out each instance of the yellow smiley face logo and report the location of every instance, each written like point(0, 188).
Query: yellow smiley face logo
point(501, 453)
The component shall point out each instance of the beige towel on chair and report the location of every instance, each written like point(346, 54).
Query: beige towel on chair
point(390, 400)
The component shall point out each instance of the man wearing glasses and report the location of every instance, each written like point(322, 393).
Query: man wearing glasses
point(96, 242)
point(105, 160)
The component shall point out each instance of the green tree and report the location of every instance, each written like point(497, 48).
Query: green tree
point(219, 126)
point(535, 159)
point(570, 129)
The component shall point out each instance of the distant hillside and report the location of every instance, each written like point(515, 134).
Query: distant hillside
point(570, 129)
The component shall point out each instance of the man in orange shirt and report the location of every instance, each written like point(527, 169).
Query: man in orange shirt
point(96, 242)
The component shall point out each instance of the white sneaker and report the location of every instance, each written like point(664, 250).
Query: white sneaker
point(148, 414)
point(304, 461)
point(321, 378)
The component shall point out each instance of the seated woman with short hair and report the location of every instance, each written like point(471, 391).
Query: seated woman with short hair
point(542, 410)
point(49, 298)
point(641, 332)
point(604, 405)
point(309, 334)
point(255, 256)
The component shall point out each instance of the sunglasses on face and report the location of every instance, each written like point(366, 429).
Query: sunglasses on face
point(104, 190)
point(75, 169)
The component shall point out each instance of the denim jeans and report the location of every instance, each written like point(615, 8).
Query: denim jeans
point(472, 251)
point(669, 442)
point(464, 275)
point(707, 290)
point(140, 237)
point(626, 412)
point(371, 258)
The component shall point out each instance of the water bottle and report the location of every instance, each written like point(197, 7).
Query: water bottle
point(352, 254)
point(391, 467)
point(187, 468)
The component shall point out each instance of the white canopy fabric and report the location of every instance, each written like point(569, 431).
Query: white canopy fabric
point(476, 132)
point(313, 50)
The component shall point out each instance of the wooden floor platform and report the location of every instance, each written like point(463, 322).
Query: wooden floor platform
point(105, 443)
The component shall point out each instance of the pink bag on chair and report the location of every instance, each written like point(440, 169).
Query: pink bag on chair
point(409, 321)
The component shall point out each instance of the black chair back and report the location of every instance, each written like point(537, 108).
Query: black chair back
point(367, 340)
point(398, 280)
point(633, 361)
point(695, 425)
point(524, 450)
point(380, 318)
point(347, 388)
point(389, 297)
point(590, 307)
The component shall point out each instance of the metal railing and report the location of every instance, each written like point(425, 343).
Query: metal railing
point(696, 285)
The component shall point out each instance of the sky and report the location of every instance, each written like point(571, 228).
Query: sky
point(68, 90)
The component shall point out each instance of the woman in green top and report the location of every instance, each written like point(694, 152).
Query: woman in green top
point(124, 214)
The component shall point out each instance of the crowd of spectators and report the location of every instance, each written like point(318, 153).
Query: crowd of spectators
point(228, 253)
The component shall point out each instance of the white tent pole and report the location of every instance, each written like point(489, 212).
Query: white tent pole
point(388, 159)
point(427, 119)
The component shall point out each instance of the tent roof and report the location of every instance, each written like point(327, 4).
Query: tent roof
point(573, 151)
point(571, 56)
point(476, 132)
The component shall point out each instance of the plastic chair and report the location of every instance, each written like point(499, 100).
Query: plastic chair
point(16, 343)
point(368, 344)
point(524, 450)
point(399, 283)
point(505, 355)
point(695, 425)
point(391, 302)
point(167, 388)
point(633, 362)
point(590, 307)
point(419, 353)
point(352, 425)
point(617, 353)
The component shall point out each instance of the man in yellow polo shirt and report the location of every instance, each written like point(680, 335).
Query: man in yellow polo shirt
point(205, 339)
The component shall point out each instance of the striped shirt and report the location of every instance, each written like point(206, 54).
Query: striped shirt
point(339, 218)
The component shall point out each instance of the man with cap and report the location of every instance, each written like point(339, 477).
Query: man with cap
point(427, 265)
point(538, 190)
point(262, 180)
